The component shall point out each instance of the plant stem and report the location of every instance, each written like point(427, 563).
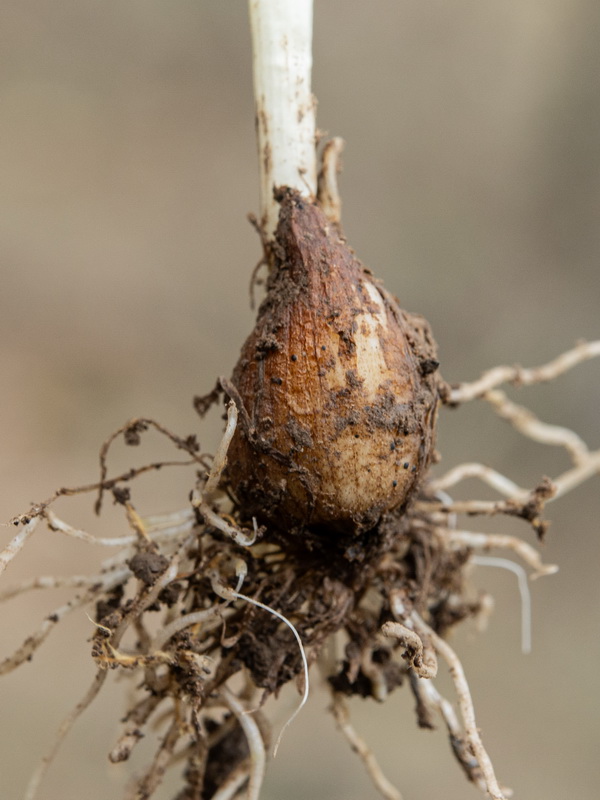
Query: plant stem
point(285, 107)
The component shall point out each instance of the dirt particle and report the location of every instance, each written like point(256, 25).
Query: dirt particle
point(352, 379)
point(147, 567)
point(386, 413)
point(347, 343)
point(121, 495)
point(300, 435)
point(170, 594)
point(428, 365)
point(132, 434)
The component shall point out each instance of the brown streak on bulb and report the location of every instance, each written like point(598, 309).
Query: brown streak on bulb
point(337, 383)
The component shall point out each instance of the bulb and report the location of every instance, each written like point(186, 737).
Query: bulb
point(336, 383)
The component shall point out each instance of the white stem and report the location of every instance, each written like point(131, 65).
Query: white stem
point(285, 107)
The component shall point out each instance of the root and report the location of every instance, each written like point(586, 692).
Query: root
point(327, 192)
point(525, 421)
point(586, 462)
point(38, 509)
point(133, 732)
point(428, 698)
point(528, 507)
point(465, 392)
point(409, 619)
point(342, 717)
point(202, 501)
point(490, 476)
point(65, 727)
point(230, 594)
point(131, 432)
point(420, 658)
point(144, 599)
point(191, 638)
point(50, 582)
point(258, 757)
point(487, 541)
point(233, 783)
point(516, 569)
point(17, 543)
point(208, 615)
point(154, 774)
point(56, 524)
point(576, 476)
point(465, 704)
point(30, 645)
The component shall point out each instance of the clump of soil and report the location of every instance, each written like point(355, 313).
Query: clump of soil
point(325, 581)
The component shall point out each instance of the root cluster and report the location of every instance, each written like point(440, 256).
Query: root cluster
point(212, 614)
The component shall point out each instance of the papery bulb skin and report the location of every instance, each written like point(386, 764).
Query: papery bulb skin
point(337, 386)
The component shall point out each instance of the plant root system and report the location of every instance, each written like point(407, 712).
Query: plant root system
point(211, 613)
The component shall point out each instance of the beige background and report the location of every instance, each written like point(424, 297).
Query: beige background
point(471, 186)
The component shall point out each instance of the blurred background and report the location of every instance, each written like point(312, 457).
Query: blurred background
point(471, 185)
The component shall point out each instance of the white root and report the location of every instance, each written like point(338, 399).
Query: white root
point(420, 658)
point(149, 782)
point(381, 783)
point(132, 732)
point(30, 645)
point(56, 524)
point(33, 641)
point(229, 594)
point(524, 377)
point(372, 671)
point(465, 704)
point(17, 543)
point(233, 783)
point(284, 104)
point(329, 196)
point(489, 540)
point(425, 665)
point(220, 460)
point(443, 706)
point(204, 617)
point(470, 507)
point(50, 582)
point(589, 465)
point(427, 693)
point(525, 421)
point(145, 599)
point(258, 756)
point(491, 477)
point(214, 519)
point(413, 629)
point(516, 569)
point(65, 727)
point(574, 477)
point(174, 522)
point(201, 500)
